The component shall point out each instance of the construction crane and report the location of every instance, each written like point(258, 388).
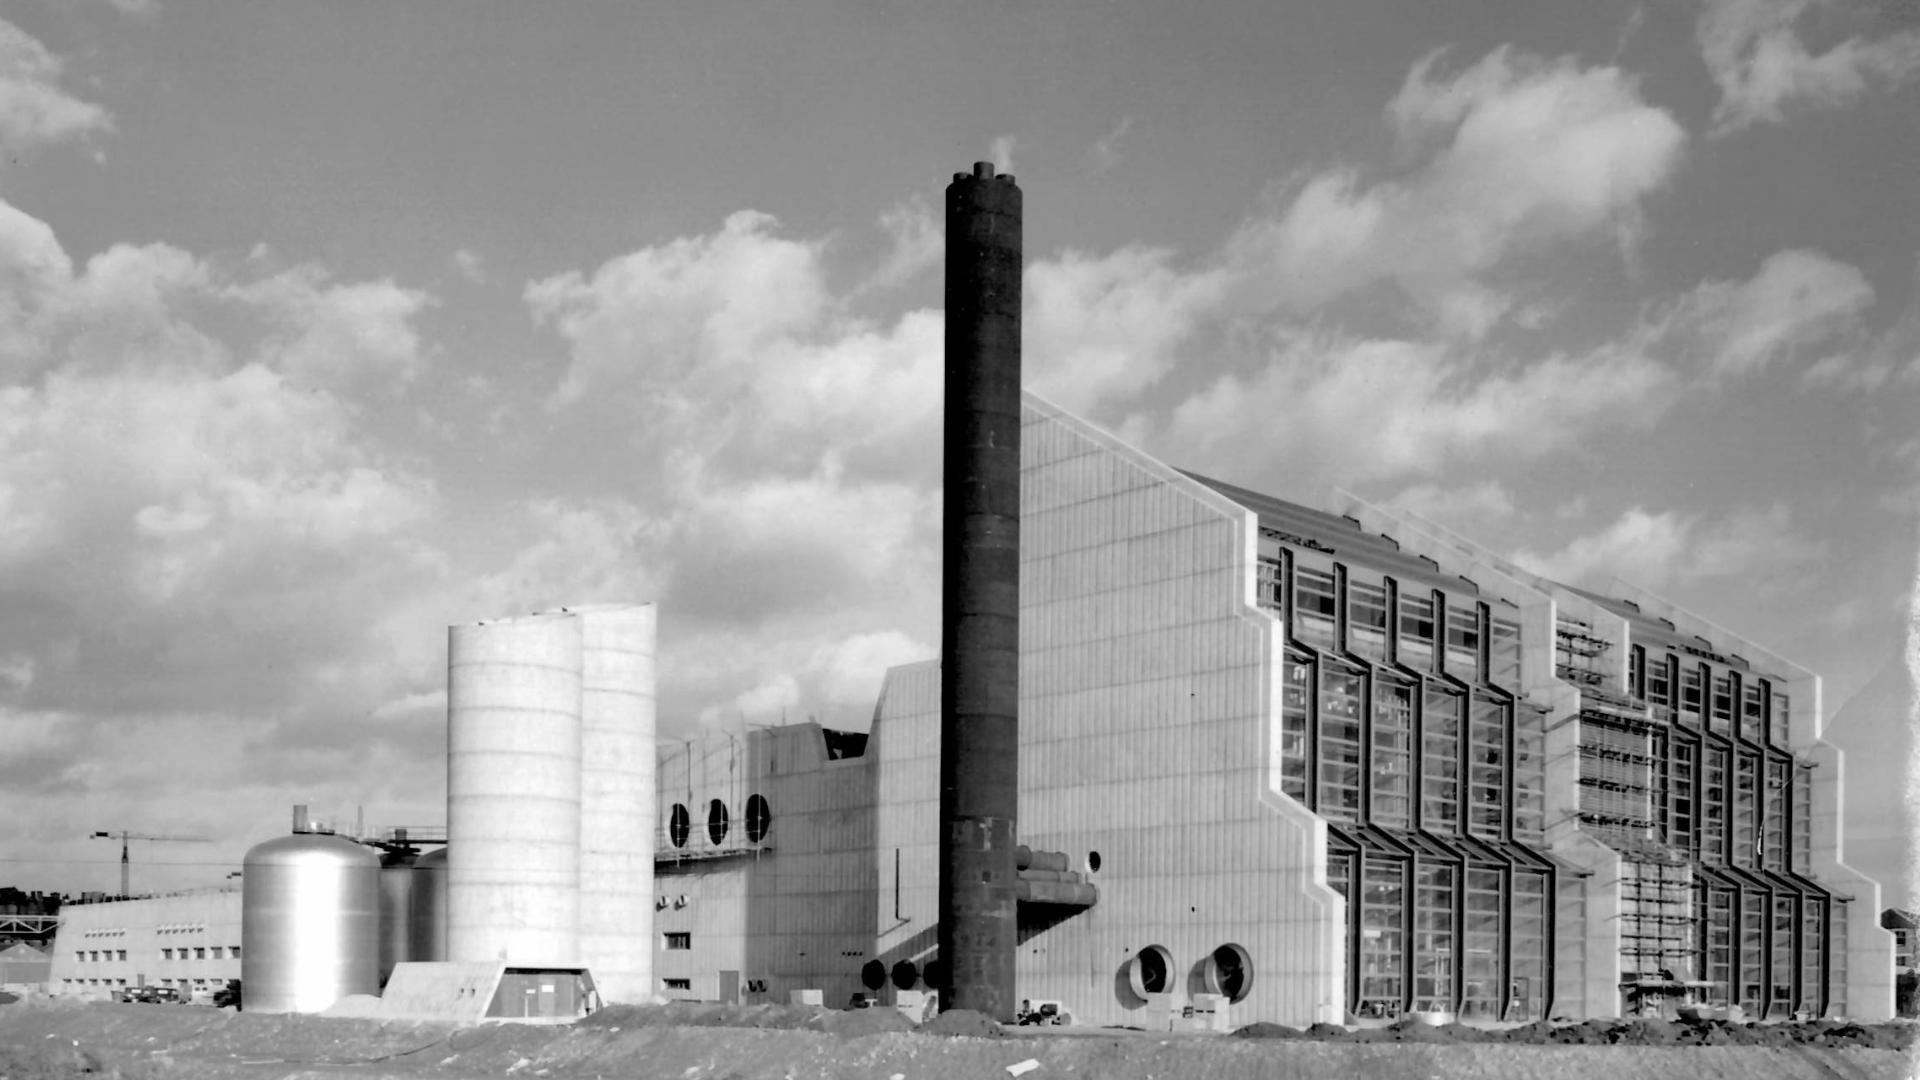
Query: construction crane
point(126, 888)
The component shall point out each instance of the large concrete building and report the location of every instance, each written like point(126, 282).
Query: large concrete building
point(1326, 764)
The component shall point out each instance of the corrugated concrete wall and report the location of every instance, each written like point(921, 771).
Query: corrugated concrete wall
point(791, 910)
point(1149, 714)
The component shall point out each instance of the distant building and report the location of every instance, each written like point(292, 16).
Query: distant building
point(22, 965)
point(1903, 925)
point(1327, 764)
point(187, 940)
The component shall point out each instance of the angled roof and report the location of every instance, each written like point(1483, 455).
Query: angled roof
point(1339, 533)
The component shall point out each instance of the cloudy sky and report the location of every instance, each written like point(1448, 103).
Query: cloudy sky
point(325, 325)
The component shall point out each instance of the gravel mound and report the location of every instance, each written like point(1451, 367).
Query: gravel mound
point(1824, 1034)
point(963, 1022)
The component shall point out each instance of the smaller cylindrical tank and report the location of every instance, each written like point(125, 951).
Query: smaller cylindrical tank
point(427, 908)
point(396, 912)
point(309, 923)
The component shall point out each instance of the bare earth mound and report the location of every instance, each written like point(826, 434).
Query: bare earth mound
point(711, 1042)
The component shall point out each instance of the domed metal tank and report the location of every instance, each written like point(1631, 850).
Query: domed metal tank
point(427, 907)
point(309, 923)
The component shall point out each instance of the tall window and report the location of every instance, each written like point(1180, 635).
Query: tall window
point(1433, 938)
point(1503, 667)
point(1381, 945)
point(1339, 742)
point(1777, 720)
point(1659, 686)
point(1812, 943)
point(1680, 797)
point(1463, 642)
point(1313, 606)
point(1690, 695)
point(1529, 936)
point(1416, 632)
point(1392, 753)
point(1752, 711)
point(1780, 983)
point(1296, 684)
point(1719, 946)
point(1271, 591)
point(1753, 934)
point(1723, 704)
point(1367, 620)
point(1773, 836)
point(1480, 945)
point(1440, 761)
point(1801, 812)
point(1529, 775)
point(1746, 782)
point(1487, 776)
point(1713, 829)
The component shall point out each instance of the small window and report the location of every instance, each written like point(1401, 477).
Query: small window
point(679, 939)
point(123, 953)
point(717, 821)
point(678, 984)
point(759, 818)
point(679, 825)
point(233, 951)
point(200, 953)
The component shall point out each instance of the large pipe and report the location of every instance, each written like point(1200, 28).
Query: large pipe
point(980, 595)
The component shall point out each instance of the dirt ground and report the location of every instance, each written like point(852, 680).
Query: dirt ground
point(41, 1040)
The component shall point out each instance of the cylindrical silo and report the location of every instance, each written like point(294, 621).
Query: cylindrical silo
point(396, 909)
point(309, 923)
point(513, 791)
point(427, 908)
point(616, 799)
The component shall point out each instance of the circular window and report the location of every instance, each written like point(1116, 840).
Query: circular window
point(716, 821)
point(759, 818)
point(873, 974)
point(1093, 862)
point(679, 826)
point(1147, 971)
point(1229, 971)
point(904, 974)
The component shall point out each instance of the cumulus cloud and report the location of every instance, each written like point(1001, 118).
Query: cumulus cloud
point(1798, 298)
point(1102, 329)
point(1509, 155)
point(787, 458)
point(1765, 71)
point(34, 110)
point(1657, 550)
point(471, 264)
point(338, 335)
point(1348, 410)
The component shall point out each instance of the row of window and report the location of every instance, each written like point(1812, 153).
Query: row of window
point(1374, 744)
point(758, 822)
point(1386, 622)
point(1714, 697)
point(197, 952)
point(1431, 931)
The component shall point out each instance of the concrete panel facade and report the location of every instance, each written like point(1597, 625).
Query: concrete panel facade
point(188, 940)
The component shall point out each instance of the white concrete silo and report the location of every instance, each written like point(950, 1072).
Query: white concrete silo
point(513, 791)
point(616, 798)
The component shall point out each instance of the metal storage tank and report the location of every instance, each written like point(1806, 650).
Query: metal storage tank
point(396, 895)
point(309, 923)
point(616, 798)
point(513, 791)
point(427, 908)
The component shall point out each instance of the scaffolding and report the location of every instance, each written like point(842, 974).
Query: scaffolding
point(1577, 652)
point(1659, 931)
point(1616, 780)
